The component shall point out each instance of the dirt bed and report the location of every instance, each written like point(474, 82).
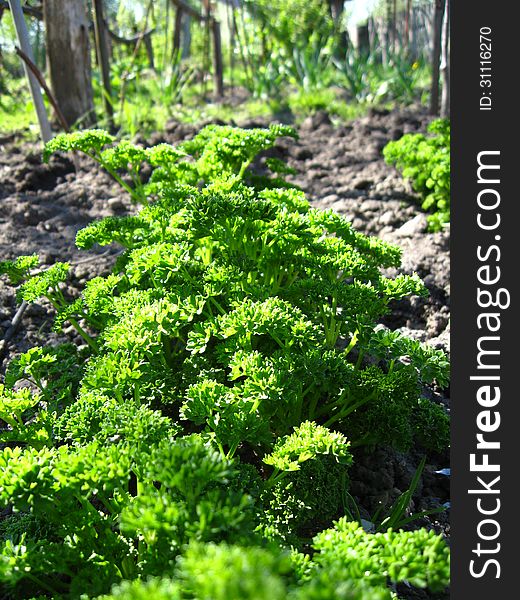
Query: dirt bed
point(43, 206)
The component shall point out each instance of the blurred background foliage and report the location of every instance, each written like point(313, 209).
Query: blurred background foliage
point(279, 58)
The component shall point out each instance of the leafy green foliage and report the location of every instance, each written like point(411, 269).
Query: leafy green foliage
point(13, 404)
point(425, 160)
point(298, 504)
point(307, 441)
point(94, 416)
point(418, 557)
point(432, 425)
point(338, 572)
point(205, 428)
point(224, 151)
point(222, 572)
point(47, 282)
point(17, 270)
point(190, 499)
point(90, 141)
point(433, 364)
point(158, 588)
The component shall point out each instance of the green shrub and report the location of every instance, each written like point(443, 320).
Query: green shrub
point(418, 557)
point(204, 427)
point(425, 160)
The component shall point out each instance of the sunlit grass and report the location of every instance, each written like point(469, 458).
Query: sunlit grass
point(148, 106)
point(17, 112)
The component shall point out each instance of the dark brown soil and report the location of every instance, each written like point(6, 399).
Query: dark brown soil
point(43, 206)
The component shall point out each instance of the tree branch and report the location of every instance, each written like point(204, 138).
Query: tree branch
point(31, 11)
point(132, 40)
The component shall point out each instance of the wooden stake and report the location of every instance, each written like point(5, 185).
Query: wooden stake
point(149, 52)
point(231, 31)
point(104, 61)
point(445, 62)
point(407, 25)
point(23, 41)
point(436, 56)
point(177, 32)
point(218, 68)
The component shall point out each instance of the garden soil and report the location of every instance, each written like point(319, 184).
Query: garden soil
point(42, 206)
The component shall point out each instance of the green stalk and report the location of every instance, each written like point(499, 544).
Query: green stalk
point(10, 421)
point(274, 478)
point(218, 306)
point(221, 448)
point(114, 174)
point(243, 168)
point(312, 407)
point(55, 593)
point(327, 408)
point(89, 340)
point(108, 504)
point(277, 340)
point(232, 450)
point(139, 187)
point(366, 439)
point(344, 413)
point(127, 568)
point(352, 343)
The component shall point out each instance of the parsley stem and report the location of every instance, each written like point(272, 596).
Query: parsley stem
point(352, 342)
point(89, 340)
point(345, 412)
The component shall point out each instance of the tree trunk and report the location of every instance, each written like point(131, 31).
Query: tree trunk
point(445, 63)
point(68, 58)
point(413, 34)
point(436, 56)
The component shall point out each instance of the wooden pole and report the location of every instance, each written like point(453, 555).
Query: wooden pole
point(240, 46)
point(445, 62)
point(218, 68)
point(23, 41)
point(407, 25)
point(104, 61)
point(207, 43)
point(177, 32)
point(394, 28)
point(231, 31)
point(166, 34)
point(147, 41)
point(436, 56)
